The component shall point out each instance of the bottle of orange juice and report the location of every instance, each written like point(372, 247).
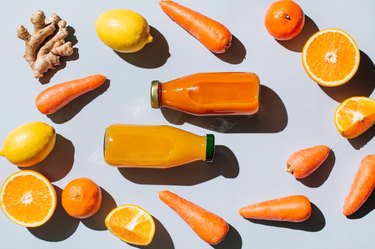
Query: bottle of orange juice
point(218, 93)
point(149, 146)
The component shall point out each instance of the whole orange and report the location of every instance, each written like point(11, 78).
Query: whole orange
point(284, 19)
point(81, 198)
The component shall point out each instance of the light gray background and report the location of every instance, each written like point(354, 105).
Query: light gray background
point(250, 160)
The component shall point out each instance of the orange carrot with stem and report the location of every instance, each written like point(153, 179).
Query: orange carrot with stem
point(303, 162)
point(362, 186)
point(208, 226)
point(54, 98)
point(294, 208)
point(212, 34)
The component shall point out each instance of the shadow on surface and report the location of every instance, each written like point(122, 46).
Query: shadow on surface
point(63, 60)
point(235, 54)
point(153, 55)
point(60, 227)
point(315, 223)
point(365, 209)
point(271, 118)
point(233, 240)
point(363, 139)
point(73, 108)
point(296, 44)
point(319, 176)
point(225, 164)
point(59, 163)
point(96, 222)
point(362, 83)
point(162, 239)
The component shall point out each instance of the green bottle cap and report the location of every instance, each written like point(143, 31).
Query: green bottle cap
point(155, 94)
point(210, 147)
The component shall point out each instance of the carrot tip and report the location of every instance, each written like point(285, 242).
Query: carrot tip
point(289, 169)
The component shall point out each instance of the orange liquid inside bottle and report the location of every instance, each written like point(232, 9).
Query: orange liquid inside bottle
point(154, 146)
point(220, 93)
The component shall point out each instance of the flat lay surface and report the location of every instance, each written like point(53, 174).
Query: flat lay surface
point(249, 165)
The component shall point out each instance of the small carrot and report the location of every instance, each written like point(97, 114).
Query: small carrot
point(302, 163)
point(362, 186)
point(54, 98)
point(208, 226)
point(294, 208)
point(212, 34)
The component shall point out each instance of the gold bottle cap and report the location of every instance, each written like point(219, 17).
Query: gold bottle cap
point(155, 94)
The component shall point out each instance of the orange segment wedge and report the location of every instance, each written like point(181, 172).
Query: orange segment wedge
point(354, 116)
point(331, 57)
point(131, 224)
point(28, 198)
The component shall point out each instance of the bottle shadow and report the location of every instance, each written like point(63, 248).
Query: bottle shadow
point(362, 83)
point(153, 55)
point(161, 239)
point(73, 108)
point(296, 44)
point(225, 164)
point(97, 221)
point(271, 118)
point(319, 176)
point(315, 223)
point(63, 60)
point(60, 227)
point(365, 209)
point(360, 141)
point(233, 240)
point(59, 163)
point(235, 54)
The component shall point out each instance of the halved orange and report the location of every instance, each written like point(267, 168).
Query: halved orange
point(28, 198)
point(131, 224)
point(331, 57)
point(354, 116)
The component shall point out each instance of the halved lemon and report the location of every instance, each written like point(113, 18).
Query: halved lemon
point(28, 198)
point(131, 224)
point(331, 57)
point(354, 116)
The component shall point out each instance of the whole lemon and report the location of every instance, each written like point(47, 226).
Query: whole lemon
point(29, 144)
point(123, 30)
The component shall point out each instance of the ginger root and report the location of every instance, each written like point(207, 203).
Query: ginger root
point(47, 44)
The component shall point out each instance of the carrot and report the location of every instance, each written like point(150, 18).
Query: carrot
point(294, 208)
point(54, 98)
point(302, 163)
point(208, 226)
point(362, 186)
point(212, 34)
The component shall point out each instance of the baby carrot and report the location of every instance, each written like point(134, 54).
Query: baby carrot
point(362, 186)
point(212, 34)
point(303, 162)
point(54, 98)
point(294, 208)
point(208, 226)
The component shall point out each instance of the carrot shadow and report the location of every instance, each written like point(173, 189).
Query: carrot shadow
point(362, 84)
point(225, 164)
point(153, 55)
point(60, 227)
point(296, 44)
point(271, 118)
point(73, 108)
point(96, 222)
point(59, 163)
point(235, 54)
point(319, 176)
point(360, 141)
point(315, 223)
point(161, 239)
point(233, 240)
point(365, 209)
point(63, 60)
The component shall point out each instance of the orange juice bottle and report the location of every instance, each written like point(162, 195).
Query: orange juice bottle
point(147, 146)
point(219, 93)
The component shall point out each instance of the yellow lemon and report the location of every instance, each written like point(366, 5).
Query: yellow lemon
point(123, 30)
point(29, 144)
